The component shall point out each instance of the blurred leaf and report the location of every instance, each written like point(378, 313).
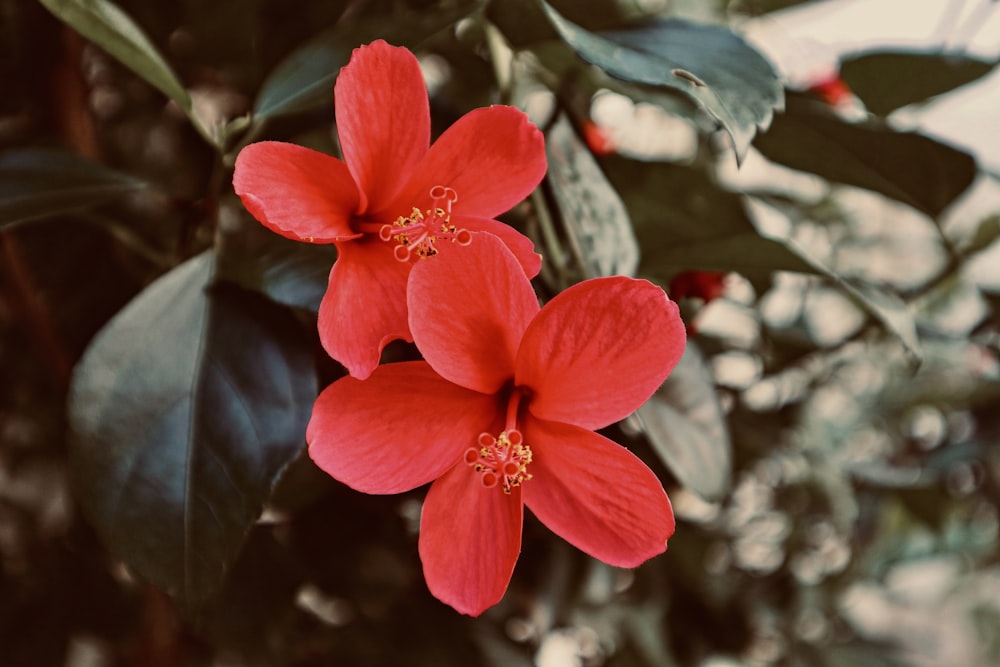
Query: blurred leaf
point(107, 26)
point(184, 411)
point(732, 81)
point(888, 80)
point(685, 221)
point(683, 421)
point(305, 78)
point(860, 653)
point(987, 231)
point(40, 182)
point(594, 216)
point(669, 203)
point(286, 271)
point(905, 166)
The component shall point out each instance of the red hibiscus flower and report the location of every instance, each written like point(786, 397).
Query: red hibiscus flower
point(394, 199)
point(705, 285)
point(502, 414)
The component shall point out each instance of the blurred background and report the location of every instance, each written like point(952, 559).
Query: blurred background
point(827, 218)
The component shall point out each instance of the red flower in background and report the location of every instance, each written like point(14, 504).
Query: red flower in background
point(704, 285)
point(394, 198)
point(502, 414)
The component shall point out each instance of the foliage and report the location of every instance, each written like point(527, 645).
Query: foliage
point(828, 441)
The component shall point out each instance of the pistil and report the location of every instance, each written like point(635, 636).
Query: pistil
point(417, 234)
point(503, 460)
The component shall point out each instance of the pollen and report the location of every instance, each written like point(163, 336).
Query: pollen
point(419, 233)
point(501, 461)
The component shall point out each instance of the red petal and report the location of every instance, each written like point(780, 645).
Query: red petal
point(493, 158)
point(383, 119)
point(364, 307)
point(598, 350)
point(469, 307)
point(401, 428)
point(470, 537)
point(297, 192)
point(595, 494)
point(519, 244)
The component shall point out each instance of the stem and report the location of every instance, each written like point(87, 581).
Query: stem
point(553, 249)
point(499, 51)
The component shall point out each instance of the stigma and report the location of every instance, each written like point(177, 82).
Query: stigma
point(501, 461)
point(419, 233)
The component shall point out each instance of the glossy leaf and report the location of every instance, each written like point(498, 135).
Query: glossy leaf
point(905, 166)
point(304, 80)
point(710, 64)
point(184, 411)
point(594, 216)
point(684, 422)
point(107, 26)
point(289, 272)
point(40, 182)
point(887, 80)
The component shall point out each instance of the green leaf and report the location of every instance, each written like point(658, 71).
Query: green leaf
point(184, 411)
point(905, 166)
point(684, 221)
point(304, 80)
point(595, 219)
point(887, 80)
point(40, 182)
point(289, 272)
point(683, 421)
point(107, 26)
point(712, 65)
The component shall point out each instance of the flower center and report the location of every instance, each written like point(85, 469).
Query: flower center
point(502, 461)
point(417, 234)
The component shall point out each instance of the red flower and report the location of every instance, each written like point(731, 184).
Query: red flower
point(502, 414)
point(705, 285)
point(833, 90)
point(393, 199)
point(598, 139)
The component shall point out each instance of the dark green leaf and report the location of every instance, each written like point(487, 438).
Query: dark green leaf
point(257, 597)
point(685, 221)
point(734, 83)
point(669, 203)
point(286, 271)
point(886, 81)
point(905, 166)
point(106, 25)
point(683, 421)
point(39, 182)
point(594, 216)
point(304, 80)
point(184, 411)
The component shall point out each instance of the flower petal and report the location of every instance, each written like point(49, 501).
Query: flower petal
point(383, 119)
point(595, 494)
point(470, 537)
point(297, 192)
point(364, 307)
point(401, 428)
point(519, 244)
point(492, 157)
point(469, 307)
point(598, 350)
